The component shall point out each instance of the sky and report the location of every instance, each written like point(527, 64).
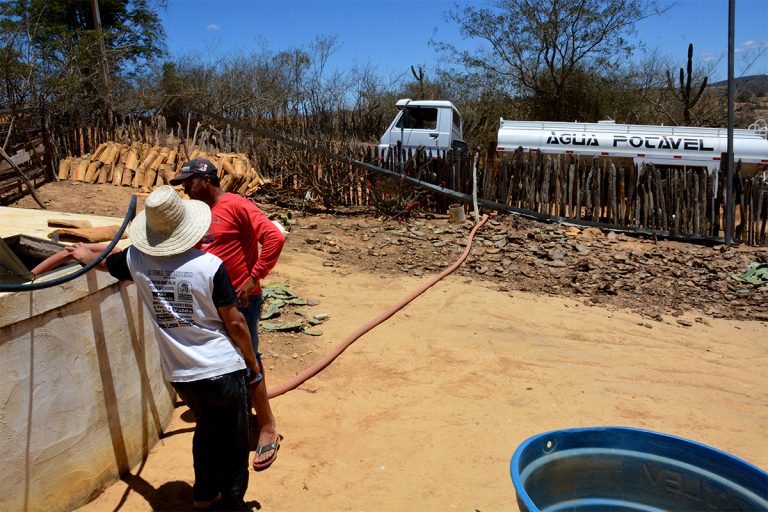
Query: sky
point(392, 35)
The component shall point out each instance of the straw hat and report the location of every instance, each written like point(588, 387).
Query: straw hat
point(169, 225)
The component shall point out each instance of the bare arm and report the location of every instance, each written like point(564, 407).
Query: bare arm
point(85, 255)
point(234, 322)
point(271, 240)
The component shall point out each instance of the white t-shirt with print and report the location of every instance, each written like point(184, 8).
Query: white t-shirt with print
point(179, 292)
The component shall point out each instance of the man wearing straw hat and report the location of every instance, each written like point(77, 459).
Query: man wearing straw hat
point(204, 342)
point(237, 229)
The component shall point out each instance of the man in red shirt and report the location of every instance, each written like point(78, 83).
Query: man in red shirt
point(237, 229)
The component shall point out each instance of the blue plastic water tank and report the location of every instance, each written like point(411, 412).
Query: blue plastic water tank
point(620, 469)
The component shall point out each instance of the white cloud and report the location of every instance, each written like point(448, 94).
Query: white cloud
point(707, 57)
point(751, 44)
point(213, 27)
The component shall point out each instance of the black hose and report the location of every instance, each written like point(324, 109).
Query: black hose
point(459, 196)
point(63, 279)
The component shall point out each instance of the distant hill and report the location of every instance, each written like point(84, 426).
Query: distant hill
point(754, 85)
point(750, 100)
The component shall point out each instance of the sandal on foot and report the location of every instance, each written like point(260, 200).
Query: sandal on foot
point(260, 450)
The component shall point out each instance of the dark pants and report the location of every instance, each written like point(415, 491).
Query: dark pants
point(220, 444)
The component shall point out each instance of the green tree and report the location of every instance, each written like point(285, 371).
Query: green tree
point(72, 59)
point(14, 70)
point(544, 53)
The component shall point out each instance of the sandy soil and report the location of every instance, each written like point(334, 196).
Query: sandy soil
point(424, 412)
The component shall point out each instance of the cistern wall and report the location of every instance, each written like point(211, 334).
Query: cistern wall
point(82, 398)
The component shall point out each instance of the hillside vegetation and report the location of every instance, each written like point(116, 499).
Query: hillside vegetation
point(562, 60)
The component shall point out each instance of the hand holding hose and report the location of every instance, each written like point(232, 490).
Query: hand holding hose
point(81, 253)
point(54, 261)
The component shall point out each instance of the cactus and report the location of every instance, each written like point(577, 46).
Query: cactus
point(419, 78)
point(684, 92)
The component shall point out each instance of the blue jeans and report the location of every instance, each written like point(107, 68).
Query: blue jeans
point(221, 441)
point(252, 312)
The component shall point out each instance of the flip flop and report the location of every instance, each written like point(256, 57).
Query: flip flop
point(274, 447)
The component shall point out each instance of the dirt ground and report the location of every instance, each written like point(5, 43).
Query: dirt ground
point(543, 328)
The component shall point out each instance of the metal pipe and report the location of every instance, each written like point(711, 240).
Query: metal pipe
point(729, 220)
point(512, 210)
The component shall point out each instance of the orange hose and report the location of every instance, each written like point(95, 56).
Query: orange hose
point(341, 347)
point(62, 257)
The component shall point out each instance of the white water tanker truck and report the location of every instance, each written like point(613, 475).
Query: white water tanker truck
point(438, 125)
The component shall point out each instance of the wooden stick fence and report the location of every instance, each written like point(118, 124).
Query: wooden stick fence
point(683, 201)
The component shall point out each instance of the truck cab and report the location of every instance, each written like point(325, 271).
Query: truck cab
point(433, 124)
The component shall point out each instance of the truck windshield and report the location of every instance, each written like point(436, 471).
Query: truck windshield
point(418, 118)
point(456, 121)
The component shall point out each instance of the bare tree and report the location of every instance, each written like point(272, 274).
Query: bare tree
point(752, 59)
point(535, 48)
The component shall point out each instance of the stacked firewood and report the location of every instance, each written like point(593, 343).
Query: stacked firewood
point(145, 167)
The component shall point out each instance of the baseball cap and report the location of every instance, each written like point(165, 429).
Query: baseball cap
point(195, 167)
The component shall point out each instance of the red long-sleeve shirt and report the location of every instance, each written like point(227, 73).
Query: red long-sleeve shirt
point(237, 229)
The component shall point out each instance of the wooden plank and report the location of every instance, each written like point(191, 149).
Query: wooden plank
point(760, 193)
point(648, 214)
point(712, 211)
point(721, 202)
point(36, 175)
point(593, 199)
point(19, 158)
point(750, 212)
point(647, 201)
point(545, 185)
point(580, 177)
point(621, 195)
point(559, 187)
point(763, 213)
point(683, 194)
point(518, 168)
point(8, 185)
point(696, 221)
point(533, 182)
point(703, 201)
point(613, 207)
point(568, 186)
point(674, 207)
point(661, 203)
point(738, 193)
point(24, 178)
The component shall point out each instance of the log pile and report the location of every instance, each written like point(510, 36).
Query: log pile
point(145, 167)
